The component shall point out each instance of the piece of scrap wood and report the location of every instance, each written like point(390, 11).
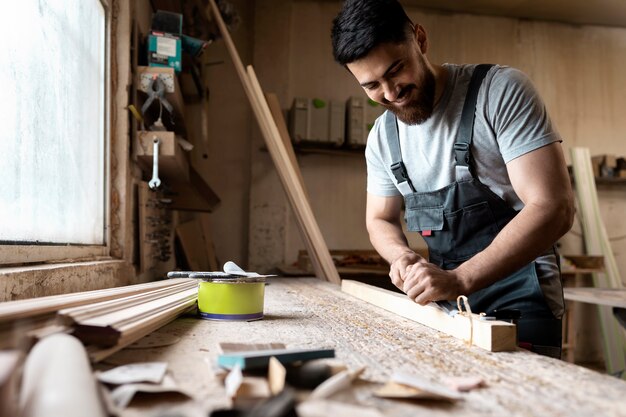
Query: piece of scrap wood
point(492, 335)
point(463, 383)
point(276, 375)
point(230, 347)
point(123, 395)
point(233, 381)
point(435, 390)
point(325, 408)
point(336, 383)
point(260, 358)
point(152, 372)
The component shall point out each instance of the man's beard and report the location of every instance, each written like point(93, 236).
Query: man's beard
point(419, 109)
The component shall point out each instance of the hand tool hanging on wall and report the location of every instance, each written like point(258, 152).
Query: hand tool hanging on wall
point(156, 91)
point(155, 182)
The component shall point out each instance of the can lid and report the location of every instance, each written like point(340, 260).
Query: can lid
point(225, 278)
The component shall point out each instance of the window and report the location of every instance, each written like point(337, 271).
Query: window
point(53, 130)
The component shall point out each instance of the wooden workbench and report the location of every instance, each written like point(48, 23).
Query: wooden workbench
point(309, 313)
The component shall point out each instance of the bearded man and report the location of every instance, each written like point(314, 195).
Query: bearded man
point(470, 155)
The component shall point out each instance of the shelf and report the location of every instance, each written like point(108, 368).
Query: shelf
point(319, 150)
point(610, 181)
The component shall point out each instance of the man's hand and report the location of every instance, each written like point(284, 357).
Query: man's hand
point(398, 268)
point(425, 282)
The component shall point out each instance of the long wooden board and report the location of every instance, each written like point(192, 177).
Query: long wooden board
point(21, 309)
point(612, 297)
point(597, 243)
point(494, 336)
point(288, 172)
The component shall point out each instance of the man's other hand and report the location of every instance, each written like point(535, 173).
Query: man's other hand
point(399, 267)
point(425, 282)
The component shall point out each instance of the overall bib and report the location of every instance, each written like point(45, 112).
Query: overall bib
point(462, 219)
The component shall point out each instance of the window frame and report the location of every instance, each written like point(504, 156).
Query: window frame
point(17, 253)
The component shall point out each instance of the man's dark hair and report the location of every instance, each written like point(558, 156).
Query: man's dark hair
point(362, 25)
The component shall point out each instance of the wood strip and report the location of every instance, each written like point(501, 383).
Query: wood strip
point(82, 313)
point(141, 329)
point(277, 115)
point(208, 242)
point(116, 327)
point(597, 243)
point(291, 177)
point(193, 244)
point(494, 336)
point(22, 309)
point(323, 265)
point(612, 297)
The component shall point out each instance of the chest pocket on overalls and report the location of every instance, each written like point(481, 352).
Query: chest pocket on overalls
point(455, 236)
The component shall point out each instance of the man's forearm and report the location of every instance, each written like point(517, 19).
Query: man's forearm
point(533, 231)
point(388, 239)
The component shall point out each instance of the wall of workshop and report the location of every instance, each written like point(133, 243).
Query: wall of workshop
point(225, 162)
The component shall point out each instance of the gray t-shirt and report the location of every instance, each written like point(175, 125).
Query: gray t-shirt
point(511, 120)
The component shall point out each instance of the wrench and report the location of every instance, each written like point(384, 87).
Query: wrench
point(155, 182)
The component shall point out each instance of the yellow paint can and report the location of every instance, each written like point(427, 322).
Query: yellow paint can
point(237, 298)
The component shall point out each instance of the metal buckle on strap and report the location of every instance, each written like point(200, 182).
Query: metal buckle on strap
point(462, 153)
point(461, 146)
point(399, 171)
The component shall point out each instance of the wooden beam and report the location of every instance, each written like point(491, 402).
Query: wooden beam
point(612, 297)
point(494, 336)
point(597, 243)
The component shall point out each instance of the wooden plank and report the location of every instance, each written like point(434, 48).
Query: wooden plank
point(208, 242)
point(118, 319)
point(494, 336)
point(23, 309)
point(290, 180)
point(321, 259)
point(194, 195)
point(277, 114)
point(79, 314)
point(197, 244)
point(141, 328)
point(597, 243)
point(612, 297)
point(192, 241)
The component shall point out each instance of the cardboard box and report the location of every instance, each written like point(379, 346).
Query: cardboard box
point(164, 50)
point(361, 113)
point(317, 121)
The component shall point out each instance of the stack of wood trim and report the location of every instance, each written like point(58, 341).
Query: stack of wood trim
point(283, 159)
point(106, 320)
point(597, 243)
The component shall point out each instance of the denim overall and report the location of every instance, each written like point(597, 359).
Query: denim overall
point(462, 219)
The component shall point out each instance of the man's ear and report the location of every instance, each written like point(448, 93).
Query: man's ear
point(421, 38)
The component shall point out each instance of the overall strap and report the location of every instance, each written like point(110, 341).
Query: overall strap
point(397, 166)
point(464, 163)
